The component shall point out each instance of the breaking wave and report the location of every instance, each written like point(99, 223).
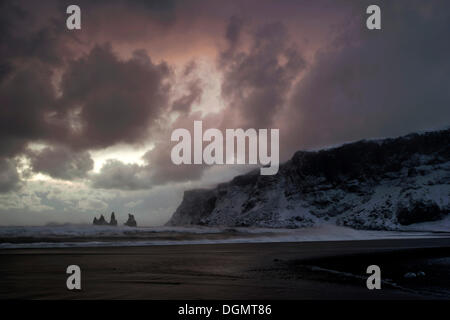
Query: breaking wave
point(104, 236)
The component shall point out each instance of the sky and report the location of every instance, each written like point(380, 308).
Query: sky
point(86, 115)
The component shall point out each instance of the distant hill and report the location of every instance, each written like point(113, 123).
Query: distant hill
point(369, 184)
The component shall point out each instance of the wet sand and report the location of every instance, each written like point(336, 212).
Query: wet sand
point(308, 270)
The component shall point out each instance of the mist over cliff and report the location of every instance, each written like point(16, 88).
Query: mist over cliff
point(370, 184)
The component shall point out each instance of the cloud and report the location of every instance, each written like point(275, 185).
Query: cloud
point(118, 100)
point(9, 177)
point(31, 47)
point(104, 101)
point(164, 171)
point(93, 205)
point(27, 32)
point(61, 162)
point(27, 99)
point(117, 175)
point(158, 168)
point(256, 81)
point(184, 103)
point(374, 84)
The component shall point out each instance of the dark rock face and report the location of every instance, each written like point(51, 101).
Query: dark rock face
point(101, 221)
point(193, 198)
point(376, 184)
point(131, 222)
point(113, 221)
point(420, 212)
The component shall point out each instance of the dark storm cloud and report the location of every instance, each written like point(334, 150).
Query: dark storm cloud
point(359, 84)
point(9, 177)
point(27, 98)
point(30, 49)
point(118, 99)
point(24, 35)
point(161, 10)
point(376, 83)
point(104, 100)
point(256, 82)
point(61, 162)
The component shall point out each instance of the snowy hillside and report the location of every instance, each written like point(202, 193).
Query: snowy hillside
point(378, 184)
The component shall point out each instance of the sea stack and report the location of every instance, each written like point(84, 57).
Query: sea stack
point(100, 221)
point(113, 221)
point(131, 222)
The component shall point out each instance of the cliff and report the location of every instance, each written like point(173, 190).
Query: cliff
point(369, 184)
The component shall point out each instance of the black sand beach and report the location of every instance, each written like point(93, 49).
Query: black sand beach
point(308, 270)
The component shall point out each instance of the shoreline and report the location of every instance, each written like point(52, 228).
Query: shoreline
point(71, 237)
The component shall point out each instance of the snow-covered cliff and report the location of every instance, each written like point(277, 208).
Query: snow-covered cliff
point(375, 184)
